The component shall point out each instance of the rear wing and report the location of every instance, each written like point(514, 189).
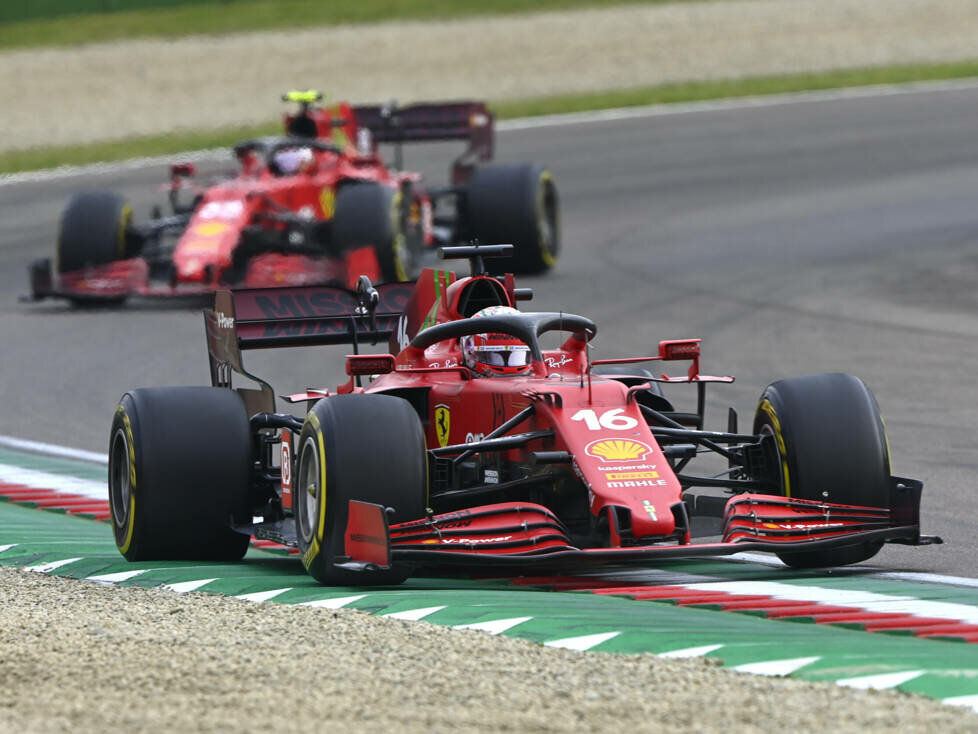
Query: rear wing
point(265, 318)
point(437, 121)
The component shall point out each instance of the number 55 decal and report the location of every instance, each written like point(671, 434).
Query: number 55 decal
point(610, 419)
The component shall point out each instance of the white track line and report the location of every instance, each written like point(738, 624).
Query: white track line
point(132, 164)
point(495, 627)
point(48, 449)
point(51, 565)
point(57, 482)
point(970, 701)
point(260, 596)
point(337, 602)
point(690, 652)
point(529, 123)
point(115, 578)
point(865, 600)
point(413, 615)
point(736, 103)
point(879, 682)
point(183, 587)
point(585, 642)
point(775, 667)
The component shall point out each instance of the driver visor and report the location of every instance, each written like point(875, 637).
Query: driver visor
point(504, 356)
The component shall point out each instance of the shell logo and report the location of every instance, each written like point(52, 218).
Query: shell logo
point(618, 449)
point(211, 229)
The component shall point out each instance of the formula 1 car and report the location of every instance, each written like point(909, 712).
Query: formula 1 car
point(316, 206)
point(560, 461)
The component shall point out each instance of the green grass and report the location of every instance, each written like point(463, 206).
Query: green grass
point(136, 147)
point(177, 142)
point(698, 91)
point(232, 16)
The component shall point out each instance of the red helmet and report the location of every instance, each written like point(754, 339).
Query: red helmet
point(495, 355)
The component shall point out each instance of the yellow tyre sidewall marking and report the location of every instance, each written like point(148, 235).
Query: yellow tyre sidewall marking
point(772, 415)
point(130, 527)
point(124, 218)
point(398, 245)
point(546, 180)
point(327, 201)
point(886, 442)
point(319, 538)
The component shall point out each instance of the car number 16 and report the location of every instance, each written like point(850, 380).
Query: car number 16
point(610, 419)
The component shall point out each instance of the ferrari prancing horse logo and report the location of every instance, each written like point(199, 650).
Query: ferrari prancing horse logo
point(443, 423)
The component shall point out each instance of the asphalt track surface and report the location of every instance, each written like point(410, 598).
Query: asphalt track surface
point(795, 238)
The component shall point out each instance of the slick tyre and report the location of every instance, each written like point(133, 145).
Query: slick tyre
point(832, 447)
point(356, 447)
point(370, 214)
point(179, 469)
point(518, 205)
point(94, 231)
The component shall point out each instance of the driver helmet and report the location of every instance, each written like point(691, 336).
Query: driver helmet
point(290, 161)
point(495, 355)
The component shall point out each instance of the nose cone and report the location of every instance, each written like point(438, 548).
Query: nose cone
point(191, 270)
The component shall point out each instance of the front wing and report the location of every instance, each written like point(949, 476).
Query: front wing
point(521, 537)
point(123, 278)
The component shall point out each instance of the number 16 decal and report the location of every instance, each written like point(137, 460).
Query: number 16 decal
point(610, 419)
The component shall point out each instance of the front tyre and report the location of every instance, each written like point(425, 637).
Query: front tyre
point(832, 447)
point(356, 447)
point(179, 470)
point(518, 205)
point(94, 230)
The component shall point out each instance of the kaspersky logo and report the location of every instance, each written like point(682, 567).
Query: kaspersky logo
point(618, 449)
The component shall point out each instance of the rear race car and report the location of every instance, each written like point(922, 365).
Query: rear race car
point(422, 463)
point(316, 206)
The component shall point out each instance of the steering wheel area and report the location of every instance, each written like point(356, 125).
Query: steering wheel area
point(527, 327)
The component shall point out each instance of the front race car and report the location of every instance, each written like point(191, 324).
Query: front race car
point(415, 464)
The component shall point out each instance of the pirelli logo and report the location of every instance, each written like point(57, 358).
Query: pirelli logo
point(621, 475)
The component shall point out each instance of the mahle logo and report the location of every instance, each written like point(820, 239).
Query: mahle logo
point(618, 449)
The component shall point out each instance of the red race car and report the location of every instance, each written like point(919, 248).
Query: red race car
point(482, 440)
point(315, 206)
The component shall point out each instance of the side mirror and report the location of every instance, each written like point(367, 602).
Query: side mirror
point(183, 170)
point(679, 349)
point(369, 364)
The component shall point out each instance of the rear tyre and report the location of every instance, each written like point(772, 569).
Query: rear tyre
point(518, 205)
point(370, 214)
point(94, 231)
point(356, 447)
point(832, 447)
point(179, 468)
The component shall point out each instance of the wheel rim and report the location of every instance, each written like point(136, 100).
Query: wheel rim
point(308, 489)
point(120, 489)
